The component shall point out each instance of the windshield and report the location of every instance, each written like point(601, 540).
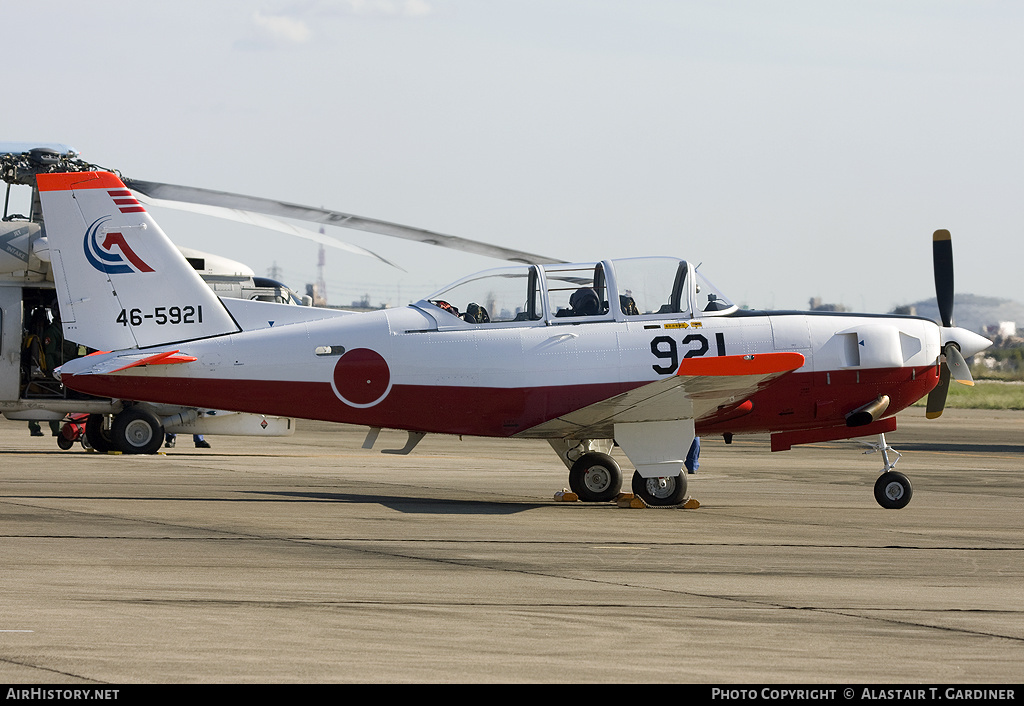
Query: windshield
point(710, 300)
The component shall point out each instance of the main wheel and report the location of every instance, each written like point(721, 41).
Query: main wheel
point(136, 431)
point(893, 490)
point(660, 492)
point(98, 437)
point(595, 478)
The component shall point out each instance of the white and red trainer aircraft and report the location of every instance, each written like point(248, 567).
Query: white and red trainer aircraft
point(643, 353)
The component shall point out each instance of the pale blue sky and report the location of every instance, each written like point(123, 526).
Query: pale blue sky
point(797, 149)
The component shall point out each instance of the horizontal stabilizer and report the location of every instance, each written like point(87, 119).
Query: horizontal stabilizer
point(167, 358)
point(106, 363)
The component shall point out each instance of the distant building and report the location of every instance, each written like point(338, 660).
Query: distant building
point(1002, 333)
point(314, 292)
point(816, 304)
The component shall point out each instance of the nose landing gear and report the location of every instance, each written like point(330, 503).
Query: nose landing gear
point(892, 489)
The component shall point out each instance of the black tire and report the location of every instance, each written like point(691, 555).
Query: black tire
point(893, 490)
point(98, 437)
point(64, 443)
point(595, 478)
point(136, 431)
point(651, 492)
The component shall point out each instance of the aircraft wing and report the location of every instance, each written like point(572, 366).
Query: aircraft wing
point(700, 386)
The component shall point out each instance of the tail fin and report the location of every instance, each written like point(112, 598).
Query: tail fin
point(121, 283)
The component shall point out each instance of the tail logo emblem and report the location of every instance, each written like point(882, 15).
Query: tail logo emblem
point(102, 255)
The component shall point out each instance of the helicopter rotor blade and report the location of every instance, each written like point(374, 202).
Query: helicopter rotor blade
point(263, 221)
point(272, 207)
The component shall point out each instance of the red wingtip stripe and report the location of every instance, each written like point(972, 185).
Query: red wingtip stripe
point(760, 364)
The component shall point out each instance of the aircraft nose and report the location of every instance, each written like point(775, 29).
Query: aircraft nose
point(968, 341)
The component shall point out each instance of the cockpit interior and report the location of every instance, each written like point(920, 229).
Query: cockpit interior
point(648, 287)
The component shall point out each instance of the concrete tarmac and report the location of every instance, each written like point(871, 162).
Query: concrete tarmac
point(308, 559)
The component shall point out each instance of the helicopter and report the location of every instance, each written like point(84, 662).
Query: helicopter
point(29, 315)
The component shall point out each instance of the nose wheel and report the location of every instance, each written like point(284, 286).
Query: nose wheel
point(892, 489)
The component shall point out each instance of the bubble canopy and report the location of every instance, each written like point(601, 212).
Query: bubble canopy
point(647, 287)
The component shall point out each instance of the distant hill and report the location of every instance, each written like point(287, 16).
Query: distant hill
point(974, 312)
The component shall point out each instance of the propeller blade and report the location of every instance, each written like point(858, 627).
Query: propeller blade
point(952, 364)
point(271, 207)
point(937, 397)
point(957, 366)
point(942, 259)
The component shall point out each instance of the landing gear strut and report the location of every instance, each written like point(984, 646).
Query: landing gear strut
point(892, 489)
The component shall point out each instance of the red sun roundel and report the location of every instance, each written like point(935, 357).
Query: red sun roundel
point(362, 377)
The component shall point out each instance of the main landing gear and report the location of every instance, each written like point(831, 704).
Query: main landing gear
point(892, 489)
point(595, 476)
point(660, 492)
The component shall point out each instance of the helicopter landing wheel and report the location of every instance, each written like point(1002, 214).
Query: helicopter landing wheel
point(136, 431)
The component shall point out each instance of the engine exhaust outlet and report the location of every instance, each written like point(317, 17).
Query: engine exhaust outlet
point(871, 412)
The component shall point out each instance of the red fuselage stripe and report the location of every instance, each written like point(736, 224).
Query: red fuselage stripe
point(797, 401)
